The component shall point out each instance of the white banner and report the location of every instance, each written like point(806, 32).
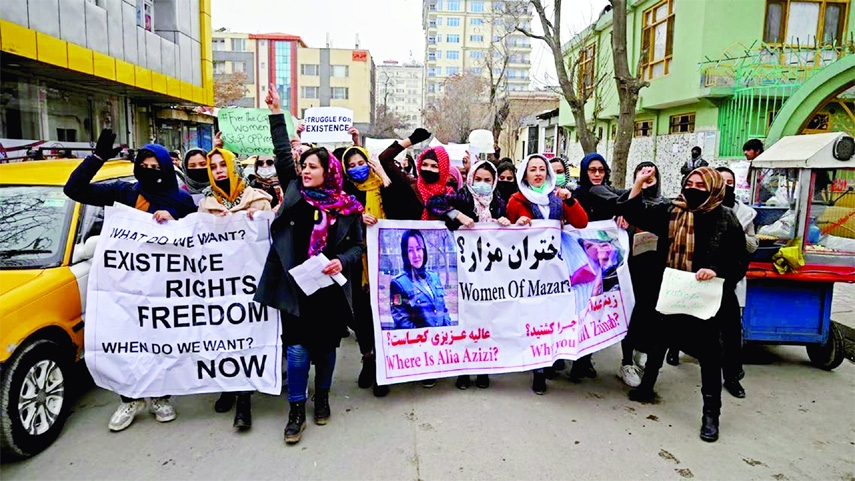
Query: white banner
point(682, 293)
point(491, 299)
point(170, 310)
point(327, 125)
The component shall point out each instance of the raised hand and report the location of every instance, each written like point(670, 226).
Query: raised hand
point(104, 149)
point(272, 100)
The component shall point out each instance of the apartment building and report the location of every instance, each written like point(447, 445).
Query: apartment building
point(336, 77)
point(235, 53)
point(400, 91)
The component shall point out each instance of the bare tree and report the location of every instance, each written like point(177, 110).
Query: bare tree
point(450, 117)
point(628, 87)
point(386, 122)
point(229, 88)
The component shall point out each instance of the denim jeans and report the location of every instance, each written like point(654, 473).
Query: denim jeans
point(298, 371)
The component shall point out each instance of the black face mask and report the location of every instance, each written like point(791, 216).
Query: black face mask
point(198, 175)
point(150, 179)
point(695, 197)
point(650, 192)
point(506, 188)
point(429, 176)
point(224, 185)
point(729, 196)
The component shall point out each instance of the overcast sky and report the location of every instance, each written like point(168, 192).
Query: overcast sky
point(390, 29)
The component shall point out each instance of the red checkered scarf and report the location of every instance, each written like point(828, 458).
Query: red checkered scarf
point(426, 191)
point(681, 229)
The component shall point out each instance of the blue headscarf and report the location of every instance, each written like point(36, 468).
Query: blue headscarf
point(162, 191)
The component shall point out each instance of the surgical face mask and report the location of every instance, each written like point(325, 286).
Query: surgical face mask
point(430, 176)
point(265, 172)
point(482, 188)
point(540, 189)
point(695, 197)
point(560, 180)
point(359, 173)
point(198, 175)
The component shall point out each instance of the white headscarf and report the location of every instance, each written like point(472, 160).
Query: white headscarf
point(482, 202)
point(539, 199)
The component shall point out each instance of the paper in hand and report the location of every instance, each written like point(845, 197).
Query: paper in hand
point(309, 275)
point(681, 293)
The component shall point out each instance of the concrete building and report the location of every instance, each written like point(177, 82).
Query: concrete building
point(475, 36)
point(233, 53)
point(73, 67)
point(399, 90)
point(721, 72)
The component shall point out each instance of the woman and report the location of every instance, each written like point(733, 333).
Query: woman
point(475, 202)
point(434, 177)
point(156, 192)
point(195, 168)
point(264, 178)
point(539, 199)
point(227, 194)
point(315, 217)
point(416, 295)
point(704, 237)
point(560, 166)
point(646, 266)
point(507, 185)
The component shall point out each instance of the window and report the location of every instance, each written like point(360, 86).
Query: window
point(657, 39)
point(309, 69)
point(452, 70)
point(496, 38)
point(586, 68)
point(644, 128)
point(439, 22)
point(439, 38)
point(219, 67)
point(431, 39)
point(310, 92)
point(800, 22)
point(439, 54)
point(476, 54)
point(476, 6)
point(683, 123)
point(453, 5)
point(238, 66)
point(239, 44)
point(476, 22)
point(476, 38)
point(340, 93)
point(431, 72)
point(452, 55)
point(453, 22)
point(476, 70)
point(453, 38)
point(66, 135)
point(340, 71)
point(431, 56)
point(218, 44)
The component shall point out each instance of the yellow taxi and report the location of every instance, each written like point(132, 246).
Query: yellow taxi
point(46, 245)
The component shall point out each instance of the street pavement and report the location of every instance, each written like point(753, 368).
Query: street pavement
point(797, 423)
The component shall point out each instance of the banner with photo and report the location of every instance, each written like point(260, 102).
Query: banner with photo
point(493, 299)
point(170, 310)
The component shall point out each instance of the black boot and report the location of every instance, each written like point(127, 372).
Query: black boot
point(243, 411)
point(673, 357)
point(709, 421)
point(482, 381)
point(582, 368)
point(538, 383)
point(380, 391)
point(322, 406)
point(296, 422)
point(734, 387)
point(368, 372)
point(463, 382)
point(225, 402)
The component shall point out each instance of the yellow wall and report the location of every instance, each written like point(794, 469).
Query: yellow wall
point(358, 82)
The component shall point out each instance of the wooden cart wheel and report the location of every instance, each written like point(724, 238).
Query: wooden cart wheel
point(829, 355)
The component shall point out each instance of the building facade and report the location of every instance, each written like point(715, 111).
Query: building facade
point(399, 91)
point(476, 36)
point(234, 53)
point(71, 68)
point(720, 71)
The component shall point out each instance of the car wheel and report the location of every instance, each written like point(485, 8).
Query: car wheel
point(33, 398)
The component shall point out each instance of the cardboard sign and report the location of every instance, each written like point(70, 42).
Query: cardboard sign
point(247, 131)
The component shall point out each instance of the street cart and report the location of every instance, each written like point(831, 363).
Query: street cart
point(803, 189)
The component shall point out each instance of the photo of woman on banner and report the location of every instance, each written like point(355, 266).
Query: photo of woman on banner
point(416, 295)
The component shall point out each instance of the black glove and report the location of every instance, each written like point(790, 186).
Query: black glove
point(419, 135)
point(104, 148)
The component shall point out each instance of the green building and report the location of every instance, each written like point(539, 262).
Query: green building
point(720, 72)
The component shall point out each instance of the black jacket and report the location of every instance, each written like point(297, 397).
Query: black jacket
point(463, 202)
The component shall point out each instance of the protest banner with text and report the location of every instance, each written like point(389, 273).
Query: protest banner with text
point(170, 309)
point(327, 125)
point(493, 299)
point(247, 131)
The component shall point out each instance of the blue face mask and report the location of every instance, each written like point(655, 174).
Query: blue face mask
point(482, 188)
point(360, 173)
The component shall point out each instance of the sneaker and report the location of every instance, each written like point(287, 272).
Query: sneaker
point(125, 414)
point(630, 376)
point(640, 359)
point(162, 409)
point(428, 383)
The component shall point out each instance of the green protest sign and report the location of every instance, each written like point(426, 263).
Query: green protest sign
point(247, 131)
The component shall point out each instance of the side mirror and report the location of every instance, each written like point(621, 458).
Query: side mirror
point(86, 251)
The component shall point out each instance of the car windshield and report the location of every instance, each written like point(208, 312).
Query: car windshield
point(33, 226)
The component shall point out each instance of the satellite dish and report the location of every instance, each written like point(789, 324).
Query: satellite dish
point(482, 140)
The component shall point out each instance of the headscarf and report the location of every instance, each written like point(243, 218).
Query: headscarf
point(482, 202)
point(566, 165)
point(646, 194)
point(540, 199)
point(408, 268)
point(584, 180)
point(681, 229)
point(331, 201)
point(503, 166)
point(194, 186)
point(426, 191)
point(454, 172)
point(236, 183)
point(371, 185)
point(163, 194)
